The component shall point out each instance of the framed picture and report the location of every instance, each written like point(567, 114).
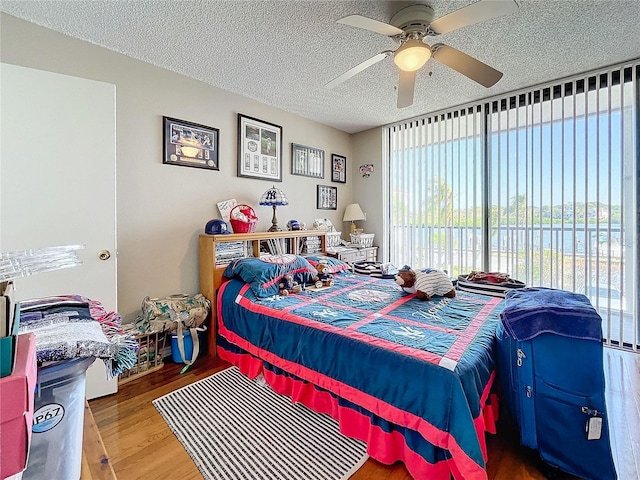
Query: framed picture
point(338, 168)
point(259, 149)
point(190, 144)
point(307, 161)
point(327, 198)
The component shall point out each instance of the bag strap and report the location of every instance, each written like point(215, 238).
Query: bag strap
point(195, 340)
point(195, 343)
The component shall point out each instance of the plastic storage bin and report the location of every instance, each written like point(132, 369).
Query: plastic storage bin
point(188, 344)
point(58, 421)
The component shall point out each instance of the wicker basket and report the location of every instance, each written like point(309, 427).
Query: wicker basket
point(150, 347)
point(362, 240)
point(333, 239)
point(244, 220)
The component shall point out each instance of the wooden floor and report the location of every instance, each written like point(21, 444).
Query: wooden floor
point(140, 445)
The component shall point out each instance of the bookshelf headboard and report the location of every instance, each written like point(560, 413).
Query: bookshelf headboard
point(216, 251)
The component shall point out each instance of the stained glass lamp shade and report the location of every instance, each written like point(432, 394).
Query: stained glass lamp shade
point(274, 197)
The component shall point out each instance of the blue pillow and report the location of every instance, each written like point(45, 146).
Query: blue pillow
point(335, 265)
point(265, 274)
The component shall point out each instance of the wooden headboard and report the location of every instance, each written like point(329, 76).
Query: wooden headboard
point(212, 268)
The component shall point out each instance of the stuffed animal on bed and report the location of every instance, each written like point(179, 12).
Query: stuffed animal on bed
point(288, 286)
point(324, 277)
point(425, 284)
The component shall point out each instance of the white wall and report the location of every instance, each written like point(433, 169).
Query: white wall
point(367, 147)
point(161, 209)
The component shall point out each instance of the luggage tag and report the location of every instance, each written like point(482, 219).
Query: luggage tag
point(593, 427)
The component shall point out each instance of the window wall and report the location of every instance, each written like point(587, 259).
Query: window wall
point(542, 184)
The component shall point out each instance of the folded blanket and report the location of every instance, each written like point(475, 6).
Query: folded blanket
point(71, 326)
point(376, 269)
point(530, 312)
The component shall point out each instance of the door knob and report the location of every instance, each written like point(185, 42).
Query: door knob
point(104, 255)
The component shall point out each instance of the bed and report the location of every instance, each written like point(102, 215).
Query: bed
point(412, 379)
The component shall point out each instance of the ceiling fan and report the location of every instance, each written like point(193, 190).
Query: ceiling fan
point(410, 26)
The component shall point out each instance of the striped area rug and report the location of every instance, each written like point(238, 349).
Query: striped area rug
point(236, 428)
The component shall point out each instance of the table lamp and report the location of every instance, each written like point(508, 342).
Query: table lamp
point(352, 213)
point(272, 198)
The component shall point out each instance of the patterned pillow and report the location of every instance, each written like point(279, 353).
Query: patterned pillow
point(335, 265)
point(264, 274)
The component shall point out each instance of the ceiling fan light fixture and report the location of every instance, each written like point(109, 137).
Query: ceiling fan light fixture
point(412, 55)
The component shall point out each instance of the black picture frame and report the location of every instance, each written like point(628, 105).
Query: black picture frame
point(307, 161)
point(338, 168)
point(190, 144)
point(327, 197)
point(259, 149)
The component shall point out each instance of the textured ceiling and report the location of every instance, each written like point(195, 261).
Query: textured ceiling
point(281, 53)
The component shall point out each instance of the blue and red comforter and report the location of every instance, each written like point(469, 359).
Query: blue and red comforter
point(411, 378)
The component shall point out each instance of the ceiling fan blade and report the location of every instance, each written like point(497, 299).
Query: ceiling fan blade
point(357, 69)
point(370, 24)
point(466, 65)
point(471, 14)
point(406, 86)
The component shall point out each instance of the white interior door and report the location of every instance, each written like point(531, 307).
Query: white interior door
point(57, 179)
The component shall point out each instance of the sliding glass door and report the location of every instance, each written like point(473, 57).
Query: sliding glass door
point(542, 185)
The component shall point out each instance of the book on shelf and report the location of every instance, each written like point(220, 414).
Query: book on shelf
point(227, 252)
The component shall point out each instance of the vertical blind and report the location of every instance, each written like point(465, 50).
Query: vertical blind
point(436, 200)
point(542, 184)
